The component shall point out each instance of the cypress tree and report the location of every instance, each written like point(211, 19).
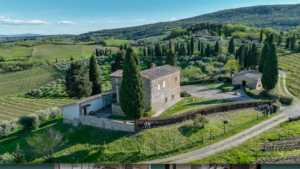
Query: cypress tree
point(202, 49)
point(163, 50)
point(241, 55)
point(152, 49)
point(231, 46)
point(271, 39)
point(188, 49)
point(171, 59)
point(97, 52)
point(217, 47)
point(270, 72)
point(149, 51)
point(267, 38)
point(226, 32)
point(56, 60)
point(293, 41)
point(199, 46)
point(261, 36)
point(105, 53)
point(118, 61)
point(280, 38)
point(246, 51)
point(144, 50)
point(170, 44)
point(254, 57)
point(287, 45)
point(125, 46)
point(94, 75)
point(192, 45)
point(207, 51)
point(132, 89)
point(77, 82)
point(121, 47)
point(72, 58)
point(264, 54)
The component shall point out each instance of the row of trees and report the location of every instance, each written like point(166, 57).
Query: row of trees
point(78, 84)
point(100, 52)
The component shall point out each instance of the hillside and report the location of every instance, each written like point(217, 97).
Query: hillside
point(279, 17)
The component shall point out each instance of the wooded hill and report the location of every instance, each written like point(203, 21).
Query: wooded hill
point(279, 17)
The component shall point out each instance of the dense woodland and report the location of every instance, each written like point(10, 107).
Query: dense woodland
point(279, 17)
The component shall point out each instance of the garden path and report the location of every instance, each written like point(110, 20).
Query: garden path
point(232, 141)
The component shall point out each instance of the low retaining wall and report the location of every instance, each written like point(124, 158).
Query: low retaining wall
point(161, 121)
point(106, 124)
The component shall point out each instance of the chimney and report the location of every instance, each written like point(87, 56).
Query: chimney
point(152, 65)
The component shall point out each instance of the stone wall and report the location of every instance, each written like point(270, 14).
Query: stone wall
point(106, 124)
point(117, 110)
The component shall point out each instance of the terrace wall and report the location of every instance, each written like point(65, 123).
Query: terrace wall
point(161, 121)
point(106, 124)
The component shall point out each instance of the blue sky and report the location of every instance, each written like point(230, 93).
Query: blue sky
point(81, 16)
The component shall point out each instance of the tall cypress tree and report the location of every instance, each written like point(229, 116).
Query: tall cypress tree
point(199, 46)
point(261, 36)
point(163, 50)
point(280, 38)
point(270, 72)
point(94, 75)
point(144, 51)
point(271, 39)
point(207, 51)
point(264, 54)
point(132, 89)
point(149, 51)
point(231, 46)
point(287, 45)
point(171, 59)
point(121, 47)
point(97, 52)
point(226, 32)
point(118, 61)
point(240, 55)
point(192, 45)
point(217, 47)
point(77, 83)
point(125, 46)
point(188, 49)
point(293, 40)
point(202, 49)
point(170, 44)
point(254, 57)
point(267, 38)
point(246, 53)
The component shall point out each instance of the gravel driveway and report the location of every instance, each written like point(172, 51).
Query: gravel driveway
point(199, 90)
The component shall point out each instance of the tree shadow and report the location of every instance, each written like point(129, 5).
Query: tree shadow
point(188, 130)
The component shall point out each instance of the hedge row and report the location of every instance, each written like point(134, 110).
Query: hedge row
point(282, 99)
point(198, 82)
point(247, 90)
point(295, 118)
point(230, 88)
point(227, 79)
point(160, 121)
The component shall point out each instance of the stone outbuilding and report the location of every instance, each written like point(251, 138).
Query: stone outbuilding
point(161, 85)
point(250, 78)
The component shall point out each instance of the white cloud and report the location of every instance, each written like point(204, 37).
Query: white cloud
point(173, 18)
point(140, 19)
point(67, 22)
point(111, 21)
point(7, 21)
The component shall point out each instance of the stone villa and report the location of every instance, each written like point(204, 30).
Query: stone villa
point(205, 34)
point(250, 78)
point(161, 85)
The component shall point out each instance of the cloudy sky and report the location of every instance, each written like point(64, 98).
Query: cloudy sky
point(80, 16)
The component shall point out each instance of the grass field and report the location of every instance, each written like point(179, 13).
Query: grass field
point(186, 104)
point(115, 42)
point(12, 108)
point(86, 142)
point(246, 153)
point(11, 51)
point(24, 81)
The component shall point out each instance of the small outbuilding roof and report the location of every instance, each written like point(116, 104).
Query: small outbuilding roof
point(90, 98)
point(249, 73)
point(152, 73)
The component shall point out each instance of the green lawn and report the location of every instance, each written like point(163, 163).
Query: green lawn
point(121, 147)
point(115, 42)
point(11, 51)
point(246, 153)
point(211, 85)
point(224, 85)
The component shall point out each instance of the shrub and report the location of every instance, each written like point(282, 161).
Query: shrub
point(276, 106)
point(105, 72)
point(282, 99)
point(54, 112)
point(149, 113)
point(199, 121)
point(29, 122)
point(14, 124)
point(7, 158)
point(247, 90)
point(43, 114)
point(5, 128)
point(185, 94)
